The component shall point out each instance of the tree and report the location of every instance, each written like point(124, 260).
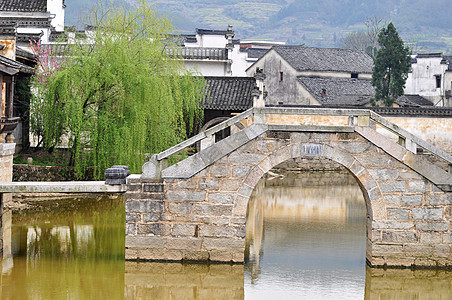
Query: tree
point(391, 66)
point(366, 41)
point(120, 96)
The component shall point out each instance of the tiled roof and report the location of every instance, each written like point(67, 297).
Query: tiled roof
point(181, 39)
point(413, 101)
point(210, 32)
point(15, 64)
point(24, 22)
point(196, 53)
point(228, 93)
point(325, 59)
point(256, 52)
point(23, 5)
point(448, 58)
point(27, 37)
point(9, 30)
point(429, 55)
point(339, 91)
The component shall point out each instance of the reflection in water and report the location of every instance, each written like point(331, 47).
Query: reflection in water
point(183, 281)
point(7, 258)
point(408, 284)
point(308, 241)
point(75, 253)
point(305, 241)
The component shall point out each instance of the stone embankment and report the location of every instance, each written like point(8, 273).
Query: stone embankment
point(23, 172)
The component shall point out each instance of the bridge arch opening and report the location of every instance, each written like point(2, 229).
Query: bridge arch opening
point(311, 151)
point(306, 222)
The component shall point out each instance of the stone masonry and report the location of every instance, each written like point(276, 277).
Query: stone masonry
point(203, 217)
point(6, 173)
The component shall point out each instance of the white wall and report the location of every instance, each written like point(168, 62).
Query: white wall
point(55, 7)
point(284, 91)
point(211, 41)
point(36, 30)
point(239, 62)
point(422, 81)
point(207, 67)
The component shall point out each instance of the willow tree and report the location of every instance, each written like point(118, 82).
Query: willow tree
point(117, 94)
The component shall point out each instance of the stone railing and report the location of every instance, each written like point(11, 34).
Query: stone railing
point(303, 119)
point(8, 125)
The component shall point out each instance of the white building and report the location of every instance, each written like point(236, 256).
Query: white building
point(431, 78)
point(299, 75)
point(216, 53)
point(25, 21)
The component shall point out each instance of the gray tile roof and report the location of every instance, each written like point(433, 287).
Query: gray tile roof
point(413, 101)
point(228, 93)
point(23, 5)
point(197, 53)
point(15, 64)
point(448, 59)
point(325, 59)
point(256, 52)
point(24, 22)
point(210, 31)
point(339, 91)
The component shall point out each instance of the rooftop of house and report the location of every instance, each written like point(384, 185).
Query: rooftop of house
point(210, 31)
point(429, 55)
point(303, 58)
point(448, 59)
point(228, 93)
point(23, 5)
point(15, 65)
point(198, 53)
point(339, 91)
point(256, 52)
point(413, 101)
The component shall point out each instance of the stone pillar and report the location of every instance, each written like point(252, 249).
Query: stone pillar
point(207, 142)
point(229, 48)
point(6, 175)
point(145, 219)
point(258, 92)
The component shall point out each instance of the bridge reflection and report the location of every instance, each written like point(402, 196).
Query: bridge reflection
point(80, 256)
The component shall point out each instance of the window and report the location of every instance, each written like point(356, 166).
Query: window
point(438, 81)
point(281, 76)
point(354, 75)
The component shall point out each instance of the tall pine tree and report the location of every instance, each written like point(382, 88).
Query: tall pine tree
point(391, 66)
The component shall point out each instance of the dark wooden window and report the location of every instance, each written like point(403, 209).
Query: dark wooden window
point(281, 76)
point(438, 81)
point(354, 75)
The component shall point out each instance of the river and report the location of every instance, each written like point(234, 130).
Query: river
point(305, 240)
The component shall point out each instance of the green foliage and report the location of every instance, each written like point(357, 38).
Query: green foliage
point(121, 98)
point(391, 66)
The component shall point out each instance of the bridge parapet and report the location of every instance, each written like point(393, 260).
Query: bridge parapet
point(259, 119)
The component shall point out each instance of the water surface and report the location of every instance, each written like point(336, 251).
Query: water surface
point(305, 240)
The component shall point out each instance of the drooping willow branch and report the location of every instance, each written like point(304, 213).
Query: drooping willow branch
point(120, 99)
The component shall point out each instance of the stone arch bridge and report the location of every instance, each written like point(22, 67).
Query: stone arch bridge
point(196, 209)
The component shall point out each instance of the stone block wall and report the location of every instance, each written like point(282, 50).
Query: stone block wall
point(6, 161)
point(47, 173)
point(180, 229)
point(203, 217)
point(6, 175)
